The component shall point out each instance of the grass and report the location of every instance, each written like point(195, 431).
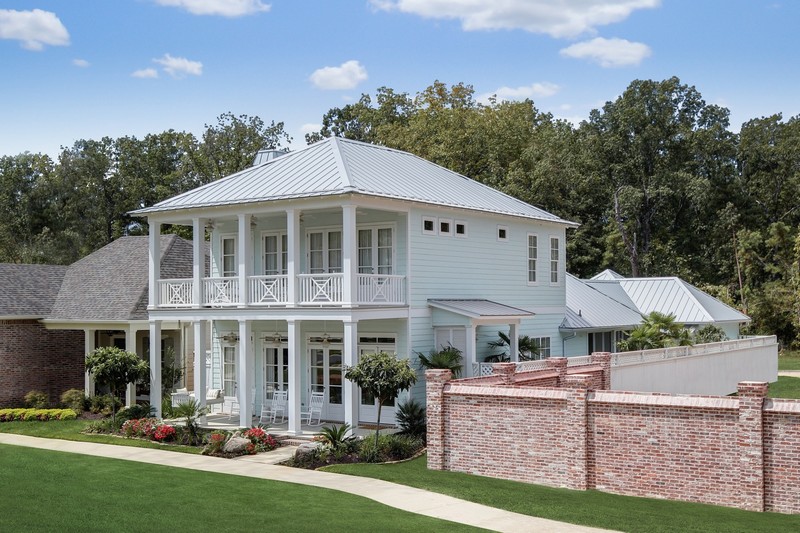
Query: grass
point(789, 361)
point(71, 430)
point(785, 387)
point(589, 508)
point(54, 491)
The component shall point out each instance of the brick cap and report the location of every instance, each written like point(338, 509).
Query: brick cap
point(753, 388)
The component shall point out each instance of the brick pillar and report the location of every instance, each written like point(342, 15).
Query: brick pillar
point(559, 365)
point(604, 360)
point(435, 381)
point(506, 372)
point(751, 444)
point(575, 445)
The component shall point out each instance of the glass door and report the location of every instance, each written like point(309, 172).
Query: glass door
point(326, 376)
point(368, 407)
point(276, 370)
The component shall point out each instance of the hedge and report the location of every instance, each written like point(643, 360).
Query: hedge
point(13, 415)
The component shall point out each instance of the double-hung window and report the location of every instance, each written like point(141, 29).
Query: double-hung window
point(325, 251)
point(533, 255)
point(554, 259)
point(375, 251)
point(230, 265)
point(275, 254)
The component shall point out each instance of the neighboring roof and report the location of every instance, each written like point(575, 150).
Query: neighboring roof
point(671, 296)
point(340, 166)
point(29, 290)
point(608, 274)
point(588, 308)
point(112, 283)
point(479, 308)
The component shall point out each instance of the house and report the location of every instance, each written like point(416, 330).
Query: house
point(52, 316)
point(601, 310)
point(343, 248)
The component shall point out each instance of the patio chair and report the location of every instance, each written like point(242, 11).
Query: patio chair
point(314, 409)
point(274, 407)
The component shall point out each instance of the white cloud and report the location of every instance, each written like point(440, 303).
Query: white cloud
point(145, 73)
point(34, 29)
point(565, 18)
point(609, 52)
point(224, 8)
point(82, 63)
point(535, 90)
point(178, 67)
point(345, 76)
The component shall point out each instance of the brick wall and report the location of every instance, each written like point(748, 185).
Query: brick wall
point(733, 451)
point(34, 358)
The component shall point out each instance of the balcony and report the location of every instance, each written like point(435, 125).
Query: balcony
point(265, 291)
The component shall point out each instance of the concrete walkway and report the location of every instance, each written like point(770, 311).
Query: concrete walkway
point(789, 373)
point(391, 494)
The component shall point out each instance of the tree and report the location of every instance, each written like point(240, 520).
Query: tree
point(448, 357)
point(384, 376)
point(115, 368)
point(657, 330)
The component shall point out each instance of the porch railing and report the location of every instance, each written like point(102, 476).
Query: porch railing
point(379, 288)
point(175, 292)
point(320, 289)
point(220, 291)
point(266, 290)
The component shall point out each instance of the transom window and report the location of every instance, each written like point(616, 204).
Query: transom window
point(554, 257)
point(325, 251)
point(533, 255)
point(275, 254)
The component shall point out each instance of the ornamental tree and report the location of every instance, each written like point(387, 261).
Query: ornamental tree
point(115, 368)
point(383, 376)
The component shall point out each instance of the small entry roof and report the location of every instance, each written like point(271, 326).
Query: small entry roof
point(479, 308)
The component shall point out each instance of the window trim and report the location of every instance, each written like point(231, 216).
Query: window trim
point(375, 228)
point(534, 259)
point(501, 227)
point(462, 223)
point(222, 238)
point(433, 221)
point(449, 222)
point(282, 268)
point(556, 260)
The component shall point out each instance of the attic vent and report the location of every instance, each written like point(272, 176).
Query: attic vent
point(267, 155)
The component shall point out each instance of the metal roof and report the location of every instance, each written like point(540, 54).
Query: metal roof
point(671, 296)
point(588, 308)
point(340, 166)
point(608, 274)
point(479, 308)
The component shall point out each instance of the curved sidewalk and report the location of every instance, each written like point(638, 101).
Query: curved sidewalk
point(391, 494)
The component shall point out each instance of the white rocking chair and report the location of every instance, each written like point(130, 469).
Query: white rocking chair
point(272, 408)
point(315, 404)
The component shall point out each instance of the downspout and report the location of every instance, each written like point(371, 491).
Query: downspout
point(564, 342)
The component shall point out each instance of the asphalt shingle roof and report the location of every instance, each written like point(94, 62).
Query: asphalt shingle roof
point(29, 290)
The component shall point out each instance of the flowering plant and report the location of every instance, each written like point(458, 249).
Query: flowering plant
point(164, 432)
point(143, 428)
point(260, 441)
point(215, 441)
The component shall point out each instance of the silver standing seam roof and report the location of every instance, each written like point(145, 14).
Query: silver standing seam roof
point(475, 308)
point(339, 166)
point(588, 308)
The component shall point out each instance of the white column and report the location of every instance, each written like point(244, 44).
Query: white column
point(513, 336)
point(200, 377)
point(245, 259)
point(352, 398)
point(294, 377)
point(155, 366)
point(154, 265)
point(470, 357)
point(349, 255)
point(130, 346)
point(292, 253)
point(244, 379)
point(198, 260)
point(88, 347)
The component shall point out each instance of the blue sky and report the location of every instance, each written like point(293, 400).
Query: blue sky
point(83, 69)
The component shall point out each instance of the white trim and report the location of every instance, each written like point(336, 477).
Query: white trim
point(433, 222)
point(445, 232)
point(462, 223)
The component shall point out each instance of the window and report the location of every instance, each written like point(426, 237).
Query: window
point(445, 227)
point(461, 228)
point(229, 370)
point(455, 337)
point(600, 342)
point(554, 246)
point(428, 226)
point(229, 263)
point(502, 233)
point(543, 345)
point(275, 254)
point(533, 255)
point(325, 252)
point(375, 247)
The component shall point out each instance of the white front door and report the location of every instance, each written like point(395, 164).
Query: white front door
point(325, 364)
point(368, 407)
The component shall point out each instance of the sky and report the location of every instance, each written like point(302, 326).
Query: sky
point(84, 69)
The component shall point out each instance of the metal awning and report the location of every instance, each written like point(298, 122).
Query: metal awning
point(474, 308)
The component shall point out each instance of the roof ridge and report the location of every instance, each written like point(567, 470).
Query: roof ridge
point(338, 157)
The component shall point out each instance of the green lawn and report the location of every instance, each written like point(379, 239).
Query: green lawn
point(785, 387)
point(53, 491)
point(590, 508)
point(789, 361)
point(71, 430)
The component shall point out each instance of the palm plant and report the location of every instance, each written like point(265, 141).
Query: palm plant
point(657, 330)
point(449, 358)
point(190, 411)
point(528, 348)
point(412, 420)
point(338, 438)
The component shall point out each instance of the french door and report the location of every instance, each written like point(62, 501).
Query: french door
point(325, 364)
point(276, 370)
point(368, 405)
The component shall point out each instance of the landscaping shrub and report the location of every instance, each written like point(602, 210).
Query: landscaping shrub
point(164, 433)
point(143, 428)
point(106, 425)
point(75, 399)
point(15, 415)
point(260, 441)
point(135, 411)
point(411, 418)
point(338, 440)
point(215, 441)
point(37, 400)
point(103, 404)
point(388, 448)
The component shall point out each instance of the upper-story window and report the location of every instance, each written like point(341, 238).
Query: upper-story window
point(461, 228)
point(429, 225)
point(375, 255)
point(446, 227)
point(275, 254)
point(533, 255)
point(325, 251)
point(554, 258)
point(502, 233)
point(229, 263)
